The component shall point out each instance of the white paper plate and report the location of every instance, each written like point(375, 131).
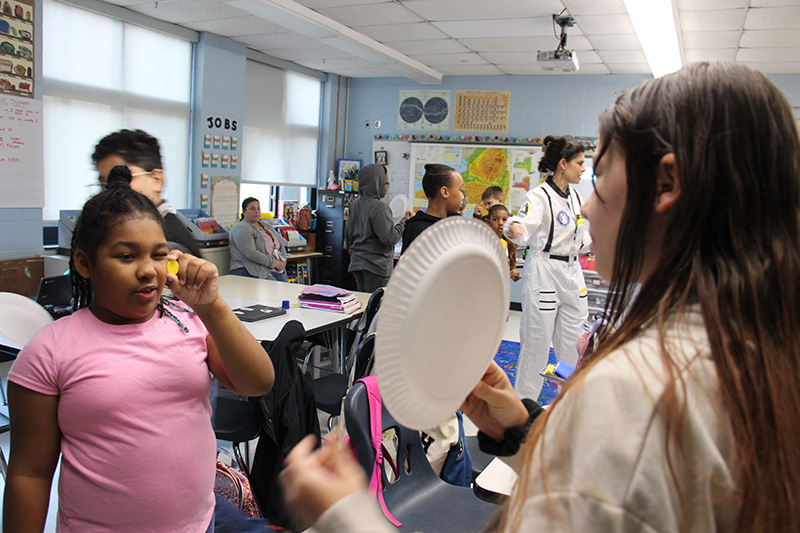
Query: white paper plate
point(441, 320)
point(20, 318)
point(399, 206)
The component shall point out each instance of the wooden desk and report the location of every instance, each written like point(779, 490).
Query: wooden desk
point(239, 291)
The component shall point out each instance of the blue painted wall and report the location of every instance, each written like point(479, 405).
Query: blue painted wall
point(540, 105)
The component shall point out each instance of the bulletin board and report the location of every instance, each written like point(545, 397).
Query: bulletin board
point(225, 200)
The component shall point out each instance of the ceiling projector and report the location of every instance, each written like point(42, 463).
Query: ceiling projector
point(558, 60)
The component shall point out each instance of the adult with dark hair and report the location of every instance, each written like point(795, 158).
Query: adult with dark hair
point(444, 189)
point(370, 232)
point(112, 389)
point(550, 224)
point(257, 251)
point(140, 152)
point(685, 416)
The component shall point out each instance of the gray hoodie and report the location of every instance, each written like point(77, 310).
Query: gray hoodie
point(370, 232)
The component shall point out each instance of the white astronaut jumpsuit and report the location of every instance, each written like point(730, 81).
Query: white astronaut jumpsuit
point(554, 305)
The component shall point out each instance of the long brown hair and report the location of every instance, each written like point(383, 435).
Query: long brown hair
point(733, 249)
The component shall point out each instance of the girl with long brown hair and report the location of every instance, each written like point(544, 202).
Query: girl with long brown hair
point(686, 416)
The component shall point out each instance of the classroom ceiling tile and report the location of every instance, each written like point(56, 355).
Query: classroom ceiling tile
point(470, 70)
point(294, 53)
point(402, 32)
point(503, 28)
point(518, 44)
point(334, 63)
point(594, 68)
point(235, 27)
point(773, 3)
point(623, 41)
point(628, 68)
point(716, 20)
point(372, 72)
point(717, 54)
point(440, 10)
point(705, 5)
point(605, 24)
point(437, 60)
point(370, 14)
point(711, 39)
point(787, 67)
point(771, 18)
point(315, 4)
point(577, 8)
point(768, 55)
point(183, 11)
point(520, 58)
point(442, 46)
point(756, 32)
point(277, 41)
point(533, 69)
point(126, 3)
point(770, 38)
point(623, 56)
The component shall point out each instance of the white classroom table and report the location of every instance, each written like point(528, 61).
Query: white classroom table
point(239, 291)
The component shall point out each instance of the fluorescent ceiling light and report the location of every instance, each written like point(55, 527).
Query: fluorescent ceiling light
point(300, 19)
point(654, 22)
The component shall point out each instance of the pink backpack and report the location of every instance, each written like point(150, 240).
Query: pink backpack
point(232, 485)
point(376, 430)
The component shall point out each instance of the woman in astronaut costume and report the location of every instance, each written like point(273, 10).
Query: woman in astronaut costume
point(554, 304)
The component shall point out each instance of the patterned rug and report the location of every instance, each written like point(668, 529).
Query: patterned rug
point(507, 356)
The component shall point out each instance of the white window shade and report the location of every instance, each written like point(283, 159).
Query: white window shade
point(137, 79)
point(280, 139)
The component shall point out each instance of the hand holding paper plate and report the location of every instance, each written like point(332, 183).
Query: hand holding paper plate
point(399, 206)
point(432, 344)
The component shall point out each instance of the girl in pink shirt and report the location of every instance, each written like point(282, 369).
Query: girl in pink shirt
point(120, 388)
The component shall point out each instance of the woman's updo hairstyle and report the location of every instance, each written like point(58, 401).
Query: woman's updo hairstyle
point(436, 176)
point(556, 149)
point(99, 214)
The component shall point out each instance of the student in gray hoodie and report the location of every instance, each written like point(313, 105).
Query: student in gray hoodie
point(370, 232)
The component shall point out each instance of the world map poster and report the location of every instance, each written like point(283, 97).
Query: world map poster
point(512, 168)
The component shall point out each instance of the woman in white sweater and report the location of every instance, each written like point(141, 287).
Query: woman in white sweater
point(685, 416)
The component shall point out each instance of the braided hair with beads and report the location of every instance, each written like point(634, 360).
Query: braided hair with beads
point(99, 214)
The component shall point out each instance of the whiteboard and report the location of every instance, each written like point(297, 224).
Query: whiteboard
point(398, 154)
point(21, 155)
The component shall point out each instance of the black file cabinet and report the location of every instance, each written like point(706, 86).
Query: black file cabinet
point(332, 266)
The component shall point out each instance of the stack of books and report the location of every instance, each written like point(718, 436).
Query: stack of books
point(329, 298)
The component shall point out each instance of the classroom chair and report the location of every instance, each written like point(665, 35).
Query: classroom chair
point(20, 319)
point(418, 498)
point(237, 420)
point(330, 390)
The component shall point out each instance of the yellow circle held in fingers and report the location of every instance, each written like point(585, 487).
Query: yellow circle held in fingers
point(172, 267)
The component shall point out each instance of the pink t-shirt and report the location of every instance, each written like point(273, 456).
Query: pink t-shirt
point(137, 444)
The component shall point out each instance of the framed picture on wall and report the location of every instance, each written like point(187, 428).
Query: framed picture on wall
point(380, 158)
point(346, 165)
